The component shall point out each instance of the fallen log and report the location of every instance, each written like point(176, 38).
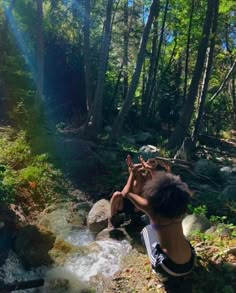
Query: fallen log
point(21, 285)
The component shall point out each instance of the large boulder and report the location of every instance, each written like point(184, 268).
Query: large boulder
point(229, 193)
point(98, 216)
point(61, 219)
point(32, 245)
point(195, 222)
point(209, 169)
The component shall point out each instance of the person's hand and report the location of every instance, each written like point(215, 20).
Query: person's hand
point(133, 168)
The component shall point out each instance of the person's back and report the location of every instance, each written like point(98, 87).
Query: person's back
point(169, 251)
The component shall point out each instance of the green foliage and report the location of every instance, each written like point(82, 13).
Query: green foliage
point(199, 210)
point(20, 170)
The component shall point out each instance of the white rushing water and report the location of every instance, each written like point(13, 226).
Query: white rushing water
point(104, 260)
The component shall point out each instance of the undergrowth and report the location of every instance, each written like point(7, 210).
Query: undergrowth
point(23, 174)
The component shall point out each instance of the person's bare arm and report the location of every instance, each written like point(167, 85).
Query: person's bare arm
point(139, 202)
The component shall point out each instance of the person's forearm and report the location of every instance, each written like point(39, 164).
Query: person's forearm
point(140, 202)
point(128, 186)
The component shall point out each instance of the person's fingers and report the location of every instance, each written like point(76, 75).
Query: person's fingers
point(144, 164)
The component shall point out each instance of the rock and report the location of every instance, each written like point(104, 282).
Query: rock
point(211, 230)
point(116, 234)
point(195, 223)
point(98, 216)
point(150, 151)
point(61, 249)
point(209, 169)
point(229, 193)
point(220, 230)
point(32, 245)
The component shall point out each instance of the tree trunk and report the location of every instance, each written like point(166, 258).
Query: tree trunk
point(145, 104)
point(187, 49)
point(95, 117)
point(207, 73)
point(152, 81)
point(126, 48)
point(181, 129)
point(87, 63)
point(40, 50)
point(231, 70)
point(136, 75)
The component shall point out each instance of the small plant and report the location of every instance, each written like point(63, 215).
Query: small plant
point(217, 219)
point(200, 210)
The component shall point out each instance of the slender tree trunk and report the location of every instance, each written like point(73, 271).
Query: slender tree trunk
point(126, 48)
point(231, 70)
point(95, 117)
point(136, 75)
point(207, 74)
point(87, 63)
point(145, 101)
point(40, 50)
point(181, 129)
point(153, 81)
point(187, 49)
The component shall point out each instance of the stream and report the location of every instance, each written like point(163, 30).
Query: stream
point(77, 270)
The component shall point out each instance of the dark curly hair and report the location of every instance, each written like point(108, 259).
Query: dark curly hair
point(167, 195)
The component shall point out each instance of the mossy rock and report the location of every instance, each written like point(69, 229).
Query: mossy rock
point(32, 245)
point(60, 251)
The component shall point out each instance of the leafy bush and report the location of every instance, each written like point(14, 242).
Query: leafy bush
point(15, 151)
point(21, 172)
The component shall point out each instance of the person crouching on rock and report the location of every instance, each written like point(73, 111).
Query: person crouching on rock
point(123, 208)
point(165, 199)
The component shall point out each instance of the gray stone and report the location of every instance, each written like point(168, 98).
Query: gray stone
point(149, 150)
point(219, 230)
point(229, 193)
point(211, 230)
point(208, 169)
point(98, 216)
point(193, 223)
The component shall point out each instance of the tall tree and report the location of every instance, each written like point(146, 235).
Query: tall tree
point(207, 74)
point(119, 121)
point(40, 49)
point(126, 47)
point(182, 126)
point(95, 116)
point(87, 57)
point(152, 80)
point(187, 48)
